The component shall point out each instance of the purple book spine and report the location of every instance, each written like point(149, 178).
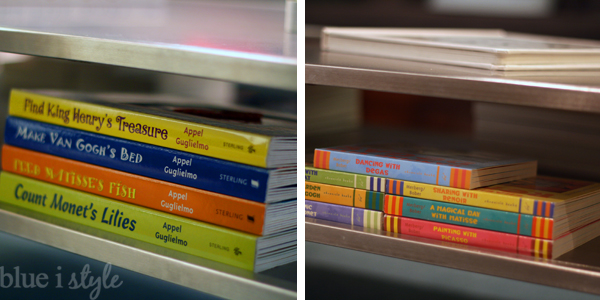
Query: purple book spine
point(335, 213)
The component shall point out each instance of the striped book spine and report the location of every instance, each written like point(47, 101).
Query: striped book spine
point(535, 247)
point(343, 214)
point(459, 178)
point(541, 227)
point(321, 160)
point(391, 223)
point(483, 197)
point(369, 199)
point(353, 180)
point(395, 187)
point(543, 209)
point(344, 196)
point(469, 216)
point(392, 167)
point(376, 184)
point(476, 198)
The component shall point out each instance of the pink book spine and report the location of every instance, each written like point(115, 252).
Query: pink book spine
point(459, 234)
point(535, 247)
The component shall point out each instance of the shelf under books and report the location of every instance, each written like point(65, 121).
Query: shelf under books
point(575, 270)
point(565, 90)
point(150, 256)
point(177, 38)
point(172, 266)
point(578, 269)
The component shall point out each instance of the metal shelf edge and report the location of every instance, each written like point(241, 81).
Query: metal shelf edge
point(151, 264)
point(260, 70)
point(455, 87)
point(551, 273)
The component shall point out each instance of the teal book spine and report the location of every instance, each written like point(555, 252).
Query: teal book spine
point(463, 215)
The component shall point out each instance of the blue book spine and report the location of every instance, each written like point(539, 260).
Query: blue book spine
point(343, 214)
point(210, 174)
point(390, 168)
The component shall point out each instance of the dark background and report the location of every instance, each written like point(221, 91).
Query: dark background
point(336, 273)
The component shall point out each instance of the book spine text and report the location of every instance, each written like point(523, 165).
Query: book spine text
point(159, 228)
point(525, 245)
point(185, 136)
point(469, 216)
point(453, 195)
point(456, 234)
point(215, 175)
point(344, 196)
point(393, 168)
point(329, 193)
point(188, 202)
point(357, 181)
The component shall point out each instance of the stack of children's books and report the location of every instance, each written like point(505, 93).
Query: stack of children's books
point(216, 188)
point(478, 199)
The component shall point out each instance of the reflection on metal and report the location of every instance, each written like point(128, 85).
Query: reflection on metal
point(242, 42)
point(577, 270)
point(290, 16)
point(568, 90)
point(172, 266)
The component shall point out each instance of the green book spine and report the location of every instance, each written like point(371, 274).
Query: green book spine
point(357, 181)
point(163, 229)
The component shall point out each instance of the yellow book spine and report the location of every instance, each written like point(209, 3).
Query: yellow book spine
point(227, 144)
point(453, 195)
point(159, 228)
point(527, 206)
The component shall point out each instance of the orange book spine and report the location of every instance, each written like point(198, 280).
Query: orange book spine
point(231, 212)
point(329, 193)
